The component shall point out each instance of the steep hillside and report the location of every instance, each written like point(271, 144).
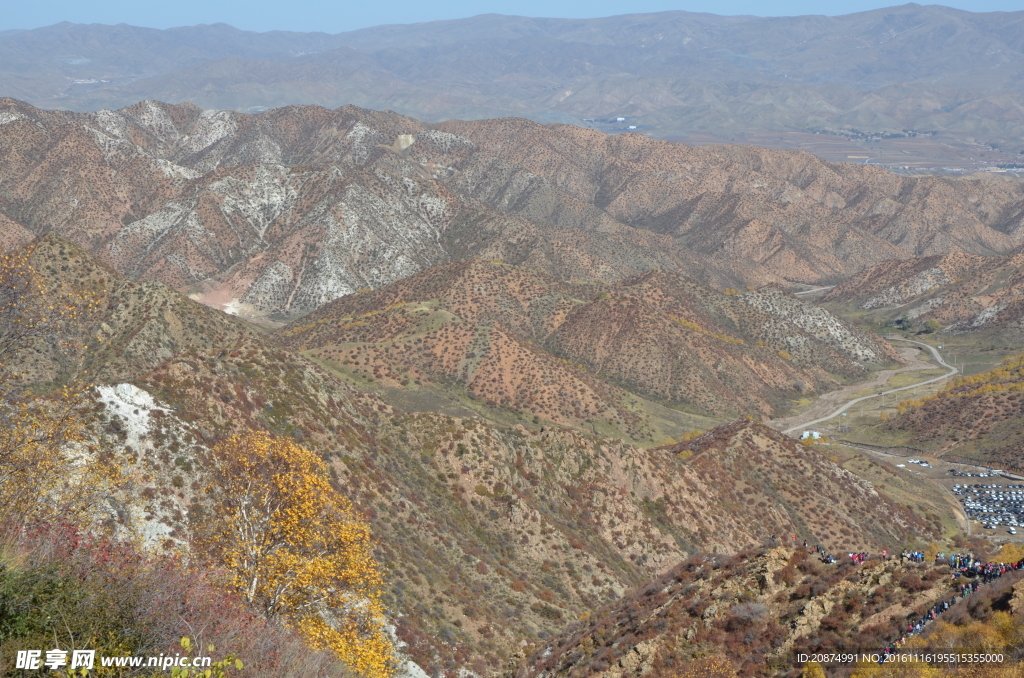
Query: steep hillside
point(277, 213)
point(786, 212)
point(133, 328)
point(961, 293)
point(490, 536)
point(563, 352)
point(770, 463)
point(822, 325)
point(544, 526)
point(977, 419)
point(496, 536)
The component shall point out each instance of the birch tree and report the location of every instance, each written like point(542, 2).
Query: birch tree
point(295, 547)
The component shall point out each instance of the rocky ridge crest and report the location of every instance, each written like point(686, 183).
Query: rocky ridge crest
point(277, 213)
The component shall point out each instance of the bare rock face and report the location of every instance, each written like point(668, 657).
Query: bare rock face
point(278, 213)
point(291, 239)
point(129, 417)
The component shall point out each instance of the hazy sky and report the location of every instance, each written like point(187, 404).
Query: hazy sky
point(334, 17)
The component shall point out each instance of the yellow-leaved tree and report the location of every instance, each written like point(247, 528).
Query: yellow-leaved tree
point(295, 547)
point(1001, 634)
point(812, 670)
point(47, 473)
point(37, 312)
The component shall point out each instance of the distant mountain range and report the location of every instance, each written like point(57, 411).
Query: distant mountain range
point(517, 345)
point(901, 71)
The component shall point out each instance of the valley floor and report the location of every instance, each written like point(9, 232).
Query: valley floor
point(917, 362)
point(929, 488)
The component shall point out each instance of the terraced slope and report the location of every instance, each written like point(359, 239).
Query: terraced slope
point(277, 213)
point(571, 353)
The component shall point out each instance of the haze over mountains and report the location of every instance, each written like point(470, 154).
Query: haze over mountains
point(954, 77)
point(537, 358)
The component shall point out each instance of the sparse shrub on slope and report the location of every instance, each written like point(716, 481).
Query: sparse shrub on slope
point(955, 293)
point(990, 622)
point(537, 346)
point(62, 579)
point(45, 472)
point(753, 613)
point(39, 311)
point(977, 417)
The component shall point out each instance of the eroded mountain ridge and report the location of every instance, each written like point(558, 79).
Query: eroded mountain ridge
point(278, 213)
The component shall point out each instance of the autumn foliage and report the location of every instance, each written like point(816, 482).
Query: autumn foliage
point(37, 312)
point(62, 587)
point(298, 559)
point(295, 548)
point(45, 471)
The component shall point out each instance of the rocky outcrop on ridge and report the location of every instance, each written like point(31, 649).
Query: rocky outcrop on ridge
point(279, 212)
point(957, 293)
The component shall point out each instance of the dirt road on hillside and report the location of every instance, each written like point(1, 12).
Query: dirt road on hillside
point(827, 404)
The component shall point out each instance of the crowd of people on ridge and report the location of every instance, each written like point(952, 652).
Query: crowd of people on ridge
point(962, 565)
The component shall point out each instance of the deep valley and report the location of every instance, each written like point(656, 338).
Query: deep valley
point(546, 368)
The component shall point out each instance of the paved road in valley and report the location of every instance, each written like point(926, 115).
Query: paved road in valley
point(846, 406)
point(816, 289)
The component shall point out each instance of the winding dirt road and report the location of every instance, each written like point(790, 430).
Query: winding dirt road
point(834, 403)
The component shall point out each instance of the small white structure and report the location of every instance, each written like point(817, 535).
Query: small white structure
point(813, 435)
point(631, 127)
point(620, 120)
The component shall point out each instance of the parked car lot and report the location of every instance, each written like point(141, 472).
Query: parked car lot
point(993, 504)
